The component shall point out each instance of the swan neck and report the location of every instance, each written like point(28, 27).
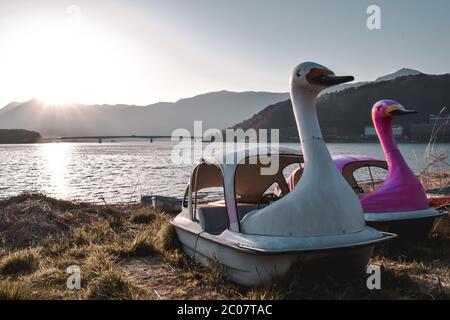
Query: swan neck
point(384, 132)
point(304, 106)
point(391, 151)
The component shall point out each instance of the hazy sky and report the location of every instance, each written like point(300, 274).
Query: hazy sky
point(141, 52)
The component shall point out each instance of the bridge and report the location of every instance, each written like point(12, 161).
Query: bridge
point(101, 138)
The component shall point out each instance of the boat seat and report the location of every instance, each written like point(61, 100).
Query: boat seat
point(248, 211)
point(243, 210)
point(248, 215)
point(213, 219)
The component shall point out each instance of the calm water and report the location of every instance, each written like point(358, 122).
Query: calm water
point(124, 171)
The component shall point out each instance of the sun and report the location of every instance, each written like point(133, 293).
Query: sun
point(54, 63)
point(61, 63)
point(63, 66)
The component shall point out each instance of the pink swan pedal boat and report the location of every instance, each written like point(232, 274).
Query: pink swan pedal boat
point(399, 204)
point(392, 204)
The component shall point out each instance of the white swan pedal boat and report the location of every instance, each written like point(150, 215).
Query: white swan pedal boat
point(212, 232)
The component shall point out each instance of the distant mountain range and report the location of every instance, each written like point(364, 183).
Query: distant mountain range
point(216, 109)
point(346, 112)
point(224, 109)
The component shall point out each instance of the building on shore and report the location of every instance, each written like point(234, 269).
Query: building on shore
point(329, 132)
point(438, 126)
point(370, 132)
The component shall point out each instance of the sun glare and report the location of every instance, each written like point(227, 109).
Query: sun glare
point(64, 65)
point(58, 61)
point(56, 158)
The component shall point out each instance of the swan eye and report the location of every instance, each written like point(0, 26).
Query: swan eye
point(298, 73)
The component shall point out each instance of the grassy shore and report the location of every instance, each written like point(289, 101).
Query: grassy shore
point(132, 253)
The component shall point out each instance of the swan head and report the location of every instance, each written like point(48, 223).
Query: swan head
point(387, 109)
point(314, 77)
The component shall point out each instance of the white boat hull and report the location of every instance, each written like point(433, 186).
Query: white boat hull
point(250, 268)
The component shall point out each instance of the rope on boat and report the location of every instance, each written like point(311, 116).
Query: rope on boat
point(194, 213)
point(196, 241)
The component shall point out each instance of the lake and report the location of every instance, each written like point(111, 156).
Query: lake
point(124, 171)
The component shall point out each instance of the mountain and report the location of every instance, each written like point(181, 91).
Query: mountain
point(399, 73)
point(347, 112)
point(8, 107)
point(216, 109)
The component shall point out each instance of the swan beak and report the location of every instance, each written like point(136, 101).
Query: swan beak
point(399, 111)
point(331, 79)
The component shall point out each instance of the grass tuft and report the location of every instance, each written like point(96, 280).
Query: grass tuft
point(110, 285)
point(142, 216)
point(264, 293)
point(166, 238)
point(10, 290)
point(96, 262)
point(143, 245)
point(20, 262)
point(81, 236)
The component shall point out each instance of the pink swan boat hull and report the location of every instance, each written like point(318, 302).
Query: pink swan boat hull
point(407, 224)
point(389, 213)
point(394, 208)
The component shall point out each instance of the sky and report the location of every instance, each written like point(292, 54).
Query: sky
point(146, 51)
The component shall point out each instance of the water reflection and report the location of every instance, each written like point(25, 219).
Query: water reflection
point(56, 159)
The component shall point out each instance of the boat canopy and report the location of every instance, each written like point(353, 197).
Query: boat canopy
point(245, 176)
point(347, 164)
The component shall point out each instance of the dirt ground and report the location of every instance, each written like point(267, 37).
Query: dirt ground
point(154, 275)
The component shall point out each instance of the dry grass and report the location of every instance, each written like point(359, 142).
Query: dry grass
point(28, 219)
point(142, 216)
point(111, 284)
point(57, 234)
point(106, 280)
point(135, 254)
point(13, 291)
point(435, 179)
point(20, 262)
point(435, 172)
